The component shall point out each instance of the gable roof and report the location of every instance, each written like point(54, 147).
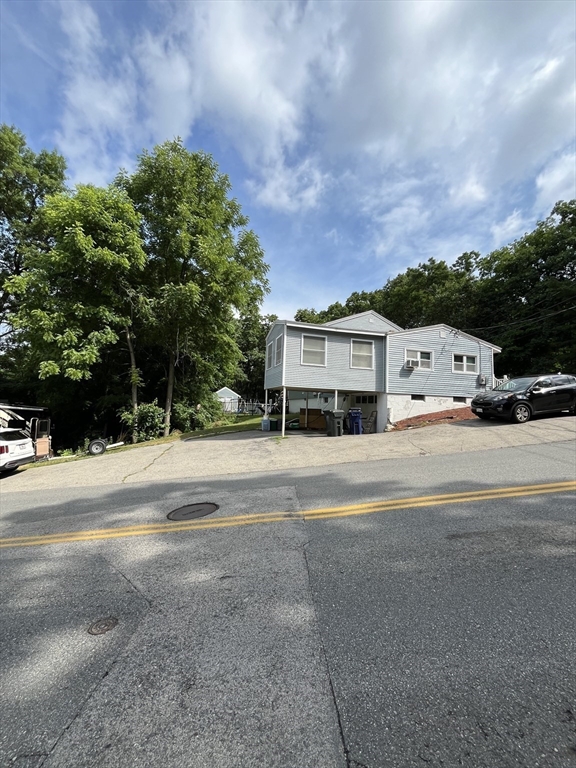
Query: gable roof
point(227, 392)
point(450, 329)
point(362, 322)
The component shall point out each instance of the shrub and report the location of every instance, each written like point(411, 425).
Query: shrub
point(149, 417)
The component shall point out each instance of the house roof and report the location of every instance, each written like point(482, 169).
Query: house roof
point(370, 315)
point(226, 392)
point(451, 330)
point(324, 327)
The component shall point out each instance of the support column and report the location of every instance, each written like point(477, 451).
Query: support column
point(335, 399)
point(266, 403)
point(283, 410)
point(306, 417)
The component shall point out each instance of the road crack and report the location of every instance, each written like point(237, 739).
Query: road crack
point(154, 460)
point(350, 763)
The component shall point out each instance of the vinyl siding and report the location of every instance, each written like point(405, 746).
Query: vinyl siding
point(273, 376)
point(441, 380)
point(337, 374)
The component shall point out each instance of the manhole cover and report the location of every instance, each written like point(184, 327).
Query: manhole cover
point(102, 626)
point(191, 511)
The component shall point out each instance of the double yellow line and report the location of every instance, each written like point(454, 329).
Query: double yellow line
point(325, 513)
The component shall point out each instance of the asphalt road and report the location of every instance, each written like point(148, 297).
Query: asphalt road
point(440, 635)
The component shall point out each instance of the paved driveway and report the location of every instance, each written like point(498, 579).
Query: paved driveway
point(246, 452)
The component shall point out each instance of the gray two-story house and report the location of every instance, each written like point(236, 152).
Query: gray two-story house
point(369, 362)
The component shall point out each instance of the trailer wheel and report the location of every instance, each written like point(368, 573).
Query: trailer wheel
point(96, 447)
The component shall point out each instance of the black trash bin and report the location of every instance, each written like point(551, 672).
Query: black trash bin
point(334, 423)
point(329, 416)
point(338, 417)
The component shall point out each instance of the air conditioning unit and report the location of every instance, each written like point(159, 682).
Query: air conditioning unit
point(411, 364)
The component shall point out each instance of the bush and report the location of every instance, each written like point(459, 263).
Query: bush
point(208, 413)
point(149, 418)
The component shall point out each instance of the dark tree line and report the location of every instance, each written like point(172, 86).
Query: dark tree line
point(521, 297)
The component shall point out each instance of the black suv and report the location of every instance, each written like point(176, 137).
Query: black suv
point(519, 399)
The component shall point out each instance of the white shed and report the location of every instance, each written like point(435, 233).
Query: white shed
point(229, 399)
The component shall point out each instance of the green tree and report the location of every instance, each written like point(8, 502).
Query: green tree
point(527, 297)
point(203, 267)
point(77, 297)
point(252, 332)
point(26, 178)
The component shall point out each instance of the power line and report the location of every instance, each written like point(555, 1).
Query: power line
point(520, 322)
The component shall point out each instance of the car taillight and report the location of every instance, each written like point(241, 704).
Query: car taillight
point(3, 449)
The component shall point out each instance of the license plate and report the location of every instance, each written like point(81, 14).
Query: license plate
point(479, 410)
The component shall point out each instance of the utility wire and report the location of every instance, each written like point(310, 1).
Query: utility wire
point(519, 322)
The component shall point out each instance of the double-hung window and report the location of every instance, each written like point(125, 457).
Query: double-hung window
point(423, 359)
point(465, 364)
point(278, 352)
point(362, 354)
point(313, 350)
point(269, 355)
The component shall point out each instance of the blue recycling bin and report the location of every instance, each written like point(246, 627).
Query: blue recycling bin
point(355, 421)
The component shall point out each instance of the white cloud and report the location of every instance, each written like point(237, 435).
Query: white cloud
point(290, 189)
point(556, 182)
point(508, 230)
point(98, 124)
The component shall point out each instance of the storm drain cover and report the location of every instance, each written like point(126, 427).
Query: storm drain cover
point(102, 626)
point(191, 511)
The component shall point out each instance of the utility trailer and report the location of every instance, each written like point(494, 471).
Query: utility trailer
point(34, 421)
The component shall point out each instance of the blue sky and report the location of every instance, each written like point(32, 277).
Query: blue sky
point(360, 137)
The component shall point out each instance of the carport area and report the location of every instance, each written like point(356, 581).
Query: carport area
point(330, 412)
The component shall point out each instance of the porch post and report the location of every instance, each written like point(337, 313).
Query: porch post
point(283, 410)
point(335, 399)
point(306, 418)
point(266, 403)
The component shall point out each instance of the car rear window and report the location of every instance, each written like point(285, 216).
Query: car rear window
point(13, 435)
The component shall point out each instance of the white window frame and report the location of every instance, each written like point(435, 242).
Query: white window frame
point(314, 336)
point(278, 350)
point(464, 363)
point(361, 367)
point(418, 353)
point(269, 355)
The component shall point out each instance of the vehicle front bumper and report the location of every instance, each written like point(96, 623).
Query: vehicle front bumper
point(502, 409)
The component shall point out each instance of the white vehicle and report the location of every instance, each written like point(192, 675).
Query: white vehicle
point(16, 448)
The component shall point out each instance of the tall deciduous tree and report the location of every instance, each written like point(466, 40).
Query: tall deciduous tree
point(204, 265)
point(76, 298)
point(26, 178)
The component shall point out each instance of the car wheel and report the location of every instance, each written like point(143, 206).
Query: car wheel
point(96, 447)
point(521, 413)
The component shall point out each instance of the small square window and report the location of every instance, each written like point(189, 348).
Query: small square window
point(465, 364)
point(314, 350)
point(418, 397)
point(458, 399)
point(362, 354)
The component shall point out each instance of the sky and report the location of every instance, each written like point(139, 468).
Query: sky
point(360, 138)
